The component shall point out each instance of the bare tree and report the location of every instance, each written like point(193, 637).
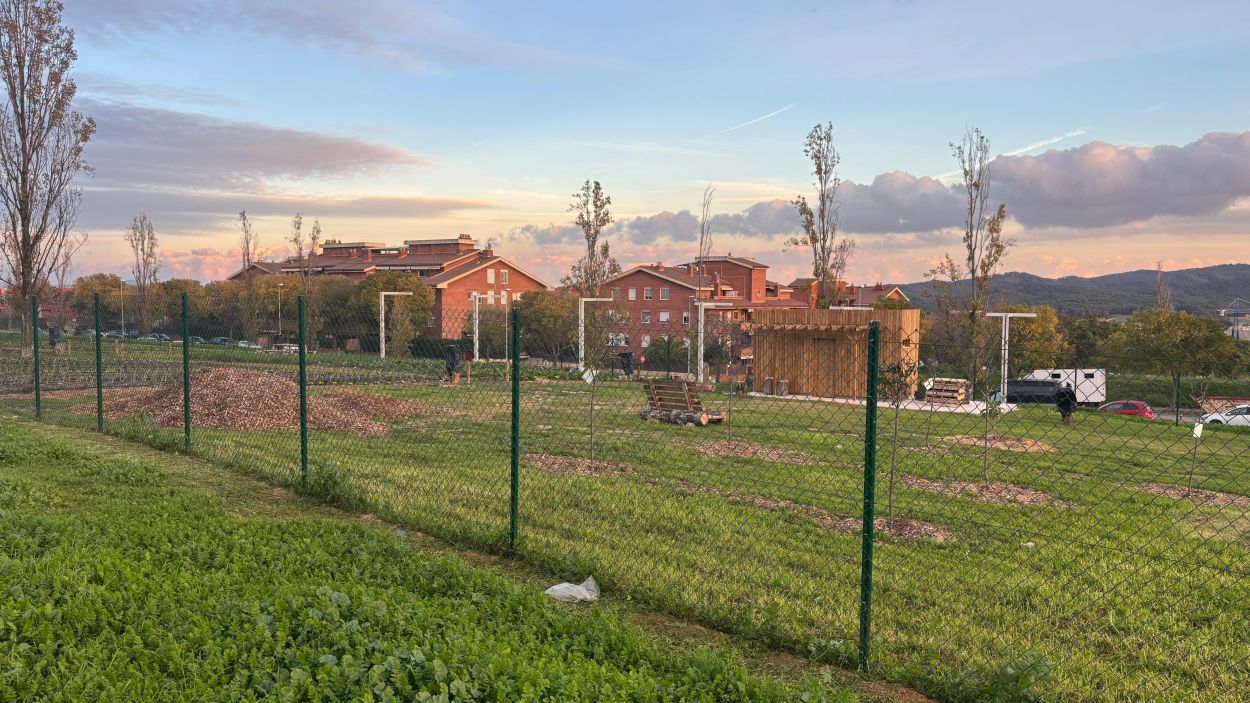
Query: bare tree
point(298, 241)
point(41, 146)
point(591, 211)
point(141, 236)
point(314, 239)
point(705, 231)
point(249, 243)
point(964, 287)
point(1163, 294)
point(63, 268)
point(820, 226)
point(839, 259)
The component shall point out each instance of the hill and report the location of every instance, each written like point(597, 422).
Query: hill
point(1200, 291)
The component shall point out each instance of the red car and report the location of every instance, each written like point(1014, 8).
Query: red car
point(1132, 408)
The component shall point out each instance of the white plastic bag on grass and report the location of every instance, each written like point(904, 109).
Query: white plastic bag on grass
point(585, 592)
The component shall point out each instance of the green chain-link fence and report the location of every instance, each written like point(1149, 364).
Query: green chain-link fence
point(846, 485)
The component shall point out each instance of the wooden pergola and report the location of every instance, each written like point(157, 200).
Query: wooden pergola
point(825, 352)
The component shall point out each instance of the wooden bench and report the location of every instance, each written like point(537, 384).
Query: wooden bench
point(677, 402)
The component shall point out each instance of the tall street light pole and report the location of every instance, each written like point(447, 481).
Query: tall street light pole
point(1006, 317)
point(581, 328)
point(703, 305)
point(280, 310)
point(382, 319)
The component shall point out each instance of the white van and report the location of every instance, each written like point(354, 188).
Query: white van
point(1090, 384)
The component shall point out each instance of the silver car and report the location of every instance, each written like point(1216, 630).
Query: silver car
point(1238, 416)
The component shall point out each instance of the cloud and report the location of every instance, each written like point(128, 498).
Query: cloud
point(408, 35)
point(168, 148)
point(1100, 184)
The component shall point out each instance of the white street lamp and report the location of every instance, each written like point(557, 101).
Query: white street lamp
point(702, 305)
point(382, 319)
point(475, 325)
point(581, 328)
point(1006, 316)
point(280, 284)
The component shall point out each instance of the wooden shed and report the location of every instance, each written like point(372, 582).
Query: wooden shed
point(825, 352)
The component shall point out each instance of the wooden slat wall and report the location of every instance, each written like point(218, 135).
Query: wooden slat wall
point(827, 355)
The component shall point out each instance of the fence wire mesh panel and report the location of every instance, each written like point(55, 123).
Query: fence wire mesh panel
point(1050, 521)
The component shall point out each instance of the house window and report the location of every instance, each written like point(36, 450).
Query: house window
point(663, 294)
point(685, 317)
point(646, 294)
point(646, 340)
point(433, 321)
point(516, 297)
point(633, 293)
point(616, 293)
point(503, 275)
point(663, 316)
point(490, 276)
point(618, 339)
point(646, 317)
point(471, 294)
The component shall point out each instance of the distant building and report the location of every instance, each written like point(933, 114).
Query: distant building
point(849, 295)
point(455, 269)
point(661, 300)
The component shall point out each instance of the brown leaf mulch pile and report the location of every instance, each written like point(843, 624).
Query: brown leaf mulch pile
point(993, 492)
point(904, 529)
point(576, 466)
point(1197, 495)
point(1011, 444)
point(238, 399)
point(730, 448)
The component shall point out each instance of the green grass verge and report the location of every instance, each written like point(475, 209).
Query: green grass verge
point(123, 581)
point(1122, 595)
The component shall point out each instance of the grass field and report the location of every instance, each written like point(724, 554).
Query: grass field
point(1095, 587)
point(128, 577)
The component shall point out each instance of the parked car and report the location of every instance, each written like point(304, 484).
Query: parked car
point(286, 348)
point(1238, 416)
point(221, 340)
point(112, 334)
point(196, 340)
point(243, 343)
point(1032, 390)
point(1131, 408)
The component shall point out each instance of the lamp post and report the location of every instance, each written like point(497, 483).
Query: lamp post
point(581, 328)
point(703, 305)
point(382, 319)
point(1006, 317)
point(280, 310)
point(475, 326)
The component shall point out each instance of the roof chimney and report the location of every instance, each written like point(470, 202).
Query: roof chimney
point(659, 266)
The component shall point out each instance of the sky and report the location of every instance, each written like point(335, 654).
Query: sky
point(1121, 129)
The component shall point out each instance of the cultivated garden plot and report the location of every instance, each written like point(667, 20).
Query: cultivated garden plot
point(1104, 560)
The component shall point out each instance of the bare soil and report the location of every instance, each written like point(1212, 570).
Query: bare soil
point(993, 492)
point(732, 448)
point(238, 399)
point(1197, 495)
point(1011, 444)
point(576, 466)
point(904, 529)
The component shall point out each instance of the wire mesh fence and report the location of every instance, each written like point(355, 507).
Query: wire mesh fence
point(1037, 532)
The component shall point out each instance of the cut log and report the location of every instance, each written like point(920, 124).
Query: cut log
point(677, 417)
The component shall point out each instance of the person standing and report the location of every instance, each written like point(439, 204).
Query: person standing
point(1065, 400)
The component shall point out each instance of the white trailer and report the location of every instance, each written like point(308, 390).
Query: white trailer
point(1090, 384)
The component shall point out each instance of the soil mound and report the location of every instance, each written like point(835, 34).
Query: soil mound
point(239, 399)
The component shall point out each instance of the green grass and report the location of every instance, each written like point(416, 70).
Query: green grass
point(1125, 596)
point(127, 579)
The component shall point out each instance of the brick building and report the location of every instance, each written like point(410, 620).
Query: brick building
point(660, 299)
point(849, 294)
point(455, 269)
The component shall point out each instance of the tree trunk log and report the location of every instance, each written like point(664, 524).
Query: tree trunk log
point(677, 417)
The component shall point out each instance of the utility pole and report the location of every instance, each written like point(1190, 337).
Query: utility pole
point(382, 319)
point(1006, 317)
point(279, 311)
point(475, 326)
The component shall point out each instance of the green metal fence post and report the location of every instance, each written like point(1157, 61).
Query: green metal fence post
point(99, 368)
point(186, 371)
point(303, 395)
point(515, 473)
point(870, 494)
point(34, 340)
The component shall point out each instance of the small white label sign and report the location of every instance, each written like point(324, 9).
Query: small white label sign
point(589, 376)
point(1198, 431)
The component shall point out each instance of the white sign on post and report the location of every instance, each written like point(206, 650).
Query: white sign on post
point(589, 376)
point(1198, 431)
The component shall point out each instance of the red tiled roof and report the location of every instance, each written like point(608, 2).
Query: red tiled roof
point(676, 274)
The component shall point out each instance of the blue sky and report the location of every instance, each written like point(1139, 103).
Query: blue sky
point(394, 120)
